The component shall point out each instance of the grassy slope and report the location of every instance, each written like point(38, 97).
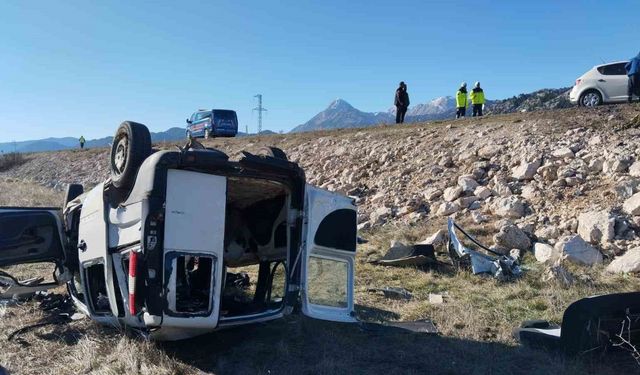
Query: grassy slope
point(475, 320)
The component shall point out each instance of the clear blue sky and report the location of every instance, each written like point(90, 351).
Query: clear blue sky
point(81, 67)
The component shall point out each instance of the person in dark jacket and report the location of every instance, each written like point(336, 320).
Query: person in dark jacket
point(633, 72)
point(401, 102)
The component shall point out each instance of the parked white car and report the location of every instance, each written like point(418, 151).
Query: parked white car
point(156, 247)
point(603, 84)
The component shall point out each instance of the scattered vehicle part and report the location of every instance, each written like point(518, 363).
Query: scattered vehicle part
point(414, 255)
point(502, 267)
point(152, 251)
point(590, 325)
point(393, 292)
point(436, 299)
point(417, 326)
point(60, 311)
point(273, 152)
point(14, 289)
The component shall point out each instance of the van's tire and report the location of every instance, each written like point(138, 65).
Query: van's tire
point(72, 192)
point(274, 152)
point(131, 145)
point(590, 98)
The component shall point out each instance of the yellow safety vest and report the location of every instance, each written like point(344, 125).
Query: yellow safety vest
point(461, 99)
point(477, 97)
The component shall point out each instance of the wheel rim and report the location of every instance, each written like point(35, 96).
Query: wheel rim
point(120, 157)
point(591, 99)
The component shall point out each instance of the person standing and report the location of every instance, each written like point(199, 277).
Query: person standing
point(461, 100)
point(81, 140)
point(401, 102)
point(477, 99)
point(633, 72)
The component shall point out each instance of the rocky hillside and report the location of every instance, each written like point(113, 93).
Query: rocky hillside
point(537, 100)
point(566, 178)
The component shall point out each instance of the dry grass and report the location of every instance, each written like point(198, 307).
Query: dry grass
point(475, 321)
point(28, 194)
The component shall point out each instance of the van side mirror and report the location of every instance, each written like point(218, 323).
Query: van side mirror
point(188, 121)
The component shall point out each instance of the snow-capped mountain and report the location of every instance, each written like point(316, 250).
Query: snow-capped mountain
point(340, 114)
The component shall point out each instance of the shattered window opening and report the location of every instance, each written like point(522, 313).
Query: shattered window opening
point(97, 288)
point(327, 282)
point(193, 284)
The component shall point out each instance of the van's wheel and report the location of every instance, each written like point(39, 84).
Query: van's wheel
point(274, 152)
point(131, 145)
point(590, 98)
point(72, 192)
point(206, 134)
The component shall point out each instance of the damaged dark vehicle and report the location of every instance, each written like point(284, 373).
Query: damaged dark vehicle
point(163, 245)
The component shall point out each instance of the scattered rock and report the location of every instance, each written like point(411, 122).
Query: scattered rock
point(478, 217)
point(627, 263)
point(563, 153)
point(575, 249)
point(448, 208)
point(380, 215)
point(467, 183)
point(512, 237)
point(482, 192)
point(526, 170)
point(545, 253)
point(596, 226)
point(511, 207)
point(632, 205)
point(437, 239)
point(634, 169)
point(452, 193)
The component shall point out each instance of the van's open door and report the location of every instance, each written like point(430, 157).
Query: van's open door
point(328, 257)
point(29, 235)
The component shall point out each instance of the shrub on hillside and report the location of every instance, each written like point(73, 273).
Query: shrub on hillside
point(10, 160)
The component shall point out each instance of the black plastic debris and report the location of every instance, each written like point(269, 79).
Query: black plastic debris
point(413, 255)
point(590, 326)
point(393, 293)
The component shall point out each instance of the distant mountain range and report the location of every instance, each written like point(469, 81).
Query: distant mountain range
point(341, 114)
point(65, 143)
point(54, 144)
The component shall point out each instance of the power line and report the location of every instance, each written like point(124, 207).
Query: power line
point(260, 109)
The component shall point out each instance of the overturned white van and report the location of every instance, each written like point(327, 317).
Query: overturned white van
point(154, 248)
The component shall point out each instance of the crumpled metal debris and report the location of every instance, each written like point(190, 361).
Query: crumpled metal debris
point(9, 289)
point(502, 267)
